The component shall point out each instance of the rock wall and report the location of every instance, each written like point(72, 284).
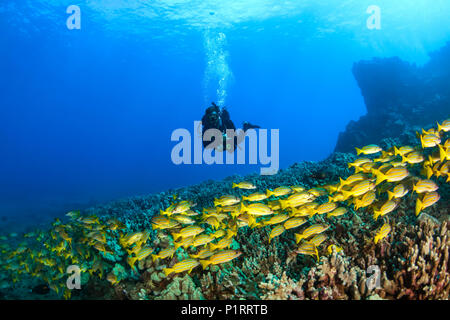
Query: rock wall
point(400, 97)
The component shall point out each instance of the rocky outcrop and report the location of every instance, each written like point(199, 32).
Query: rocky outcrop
point(400, 98)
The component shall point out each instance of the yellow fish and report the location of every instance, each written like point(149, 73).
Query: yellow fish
point(366, 200)
point(399, 191)
point(308, 249)
point(294, 223)
point(429, 140)
point(386, 208)
point(413, 157)
point(279, 218)
point(184, 265)
point(184, 242)
point(317, 240)
point(359, 189)
point(312, 230)
point(445, 126)
point(382, 233)
point(257, 196)
point(296, 199)
point(244, 185)
point(188, 232)
point(278, 192)
point(428, 200)
point(226, 200)
point(370, 149)
point(359, 162)
point(425, 186)
point(140, 255)
point(334, 247)
point(202, 240)
point(392, 175)
point(258, 209)
point(351, 180)
point(222, 244)
point(183, 219)
point(326, 208)
point(337, 212)
point(183, 206)
point(444, 154)
point(402, 151)
point(165, 253)
point(202, 254)
point(276, 231)
point(221, 257)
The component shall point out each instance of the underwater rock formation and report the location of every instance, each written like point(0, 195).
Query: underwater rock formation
point(400, 99)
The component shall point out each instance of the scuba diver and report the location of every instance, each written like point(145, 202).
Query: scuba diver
point(217, 118)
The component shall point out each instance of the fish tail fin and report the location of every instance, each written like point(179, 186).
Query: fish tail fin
point(442, 154)
point(390, 195)
point(439, 127)
point(154, 257)
point(380, 176)
point(403, 159)
point(419, 206)
point(298, 238)
point(251, 221)
point(358, 151)
point(376, 239)
point(376, 214)
point(346, 194)
point(429, 172)
point(421, 141)
point(131, 261)
point(269, 193)
point(167, 271)
point(234, 185)
point(213, 246)
point(283, 204)
point(176, 236)
point(396, 151)
point(205, 263)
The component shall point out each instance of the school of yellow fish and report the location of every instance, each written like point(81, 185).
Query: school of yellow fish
point(381, 179)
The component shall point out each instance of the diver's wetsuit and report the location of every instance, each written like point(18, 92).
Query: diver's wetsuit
point(215, 118)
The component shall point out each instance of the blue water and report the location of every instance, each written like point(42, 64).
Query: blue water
point(86, 115)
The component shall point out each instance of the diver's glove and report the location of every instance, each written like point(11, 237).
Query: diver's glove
point(247, 125)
